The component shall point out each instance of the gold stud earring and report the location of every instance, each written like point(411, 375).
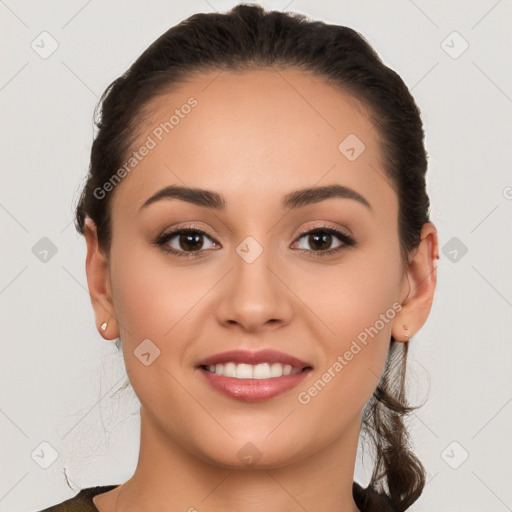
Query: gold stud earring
point(407, 332)
point(104, 326)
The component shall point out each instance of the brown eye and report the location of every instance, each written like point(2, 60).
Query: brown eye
point(319, 241)
point(184, 242)
point(190, 241)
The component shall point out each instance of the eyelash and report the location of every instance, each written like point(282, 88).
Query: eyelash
point(346, 240)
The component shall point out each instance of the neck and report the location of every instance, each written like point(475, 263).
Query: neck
point(169, 478)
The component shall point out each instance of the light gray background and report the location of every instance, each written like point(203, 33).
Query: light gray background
point(58, 373)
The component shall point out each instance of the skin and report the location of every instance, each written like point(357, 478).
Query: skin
point(254, 138)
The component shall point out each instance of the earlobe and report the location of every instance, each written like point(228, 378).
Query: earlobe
point(97, 270)
point(421, 276)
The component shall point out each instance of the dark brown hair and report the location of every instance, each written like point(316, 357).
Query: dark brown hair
point(248, 37)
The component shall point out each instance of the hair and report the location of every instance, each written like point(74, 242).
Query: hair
point(248, 38)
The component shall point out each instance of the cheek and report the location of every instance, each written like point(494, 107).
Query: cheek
point(156, 302)
point(358, 303)
point(359, 294)
point(152, 299)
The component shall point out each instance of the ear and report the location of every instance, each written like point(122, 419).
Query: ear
point(98, 280)
point(417, 292)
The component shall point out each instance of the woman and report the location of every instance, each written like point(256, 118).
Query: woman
point(258, 239)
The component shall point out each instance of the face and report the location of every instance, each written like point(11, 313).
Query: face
point(314, 276)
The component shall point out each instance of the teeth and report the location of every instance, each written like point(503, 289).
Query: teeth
point(250, 371)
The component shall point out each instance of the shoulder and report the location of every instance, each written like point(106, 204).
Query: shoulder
point(82, 502)
point(369, 500)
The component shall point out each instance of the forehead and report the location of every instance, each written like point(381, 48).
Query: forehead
point(269, 130)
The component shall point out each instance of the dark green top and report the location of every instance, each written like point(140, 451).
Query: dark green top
point(367, 500)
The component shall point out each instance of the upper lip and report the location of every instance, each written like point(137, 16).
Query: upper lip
point(247, 357)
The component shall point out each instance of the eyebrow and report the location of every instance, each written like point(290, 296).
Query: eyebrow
point(292, 200)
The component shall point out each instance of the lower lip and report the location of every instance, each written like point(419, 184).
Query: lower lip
point(253, 390)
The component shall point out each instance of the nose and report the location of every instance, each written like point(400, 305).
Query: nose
point(254, 295)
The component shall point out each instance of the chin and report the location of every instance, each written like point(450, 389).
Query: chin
point(249, 453)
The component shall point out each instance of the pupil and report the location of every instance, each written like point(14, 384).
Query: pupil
point(326, 237)
point(190, 241)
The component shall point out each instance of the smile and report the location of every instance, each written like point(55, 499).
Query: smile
point(250, 371)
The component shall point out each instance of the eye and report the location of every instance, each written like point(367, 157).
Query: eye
point(190, 241)
point(184, 242)
point(321, 239)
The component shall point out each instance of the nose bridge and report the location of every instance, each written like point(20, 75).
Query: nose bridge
point(254, 295)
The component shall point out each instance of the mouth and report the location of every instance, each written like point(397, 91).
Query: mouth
point(253, 376)
point(249, 371)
